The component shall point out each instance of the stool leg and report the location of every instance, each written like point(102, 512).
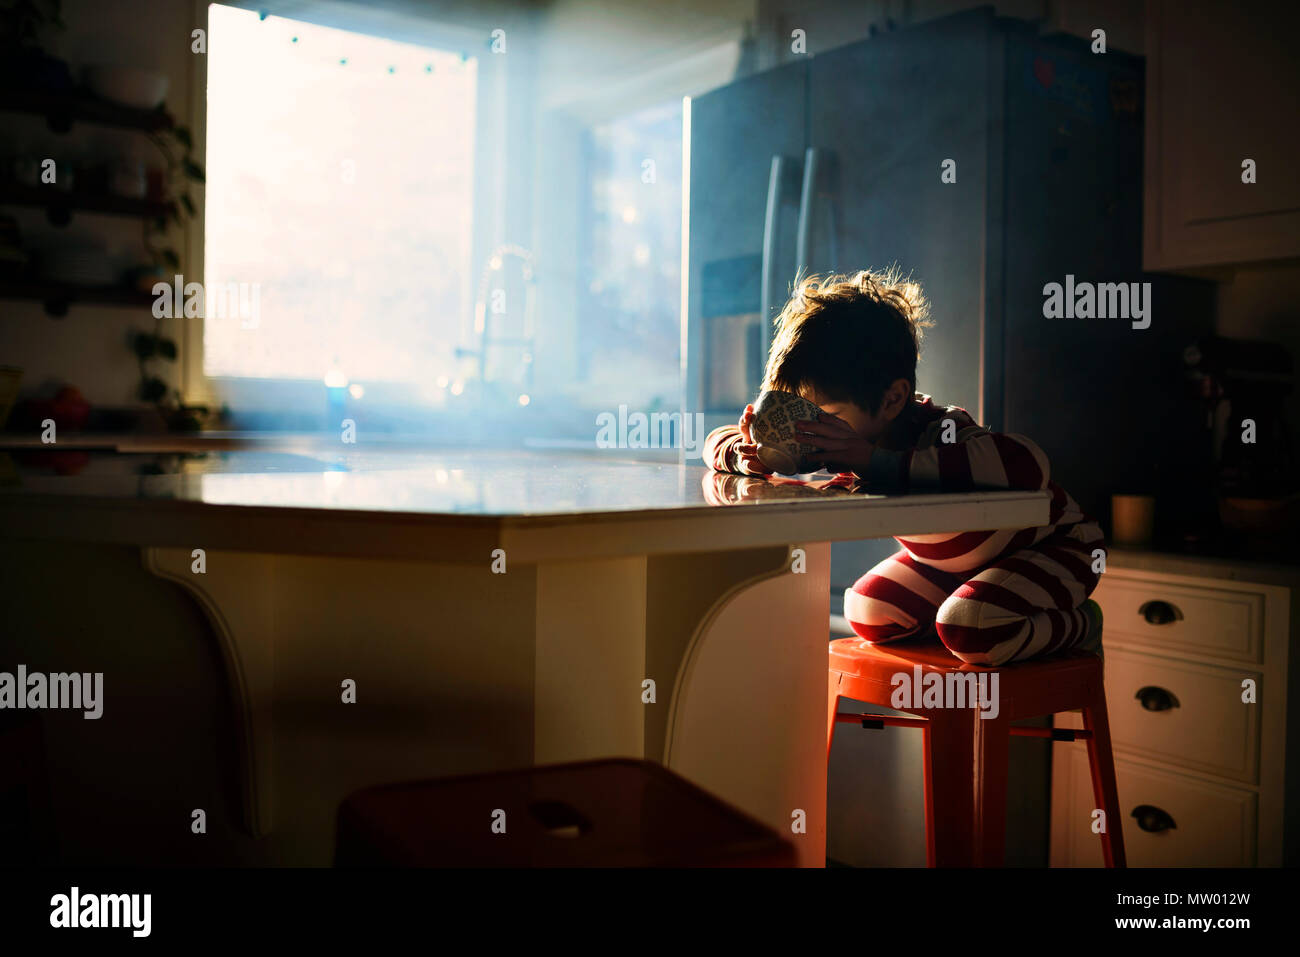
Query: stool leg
point(992, 745)
point(927, 787)
point(833, 697)
point(950, 787)
point(1101, 762)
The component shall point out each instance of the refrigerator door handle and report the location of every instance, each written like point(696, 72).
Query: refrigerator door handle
point(783, 171)
point(818, 181)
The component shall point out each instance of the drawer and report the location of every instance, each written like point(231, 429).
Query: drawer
point(1205, 726)
point(1185, 618)
point(1212, 825)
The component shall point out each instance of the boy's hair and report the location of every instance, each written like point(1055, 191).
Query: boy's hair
point(848, 337)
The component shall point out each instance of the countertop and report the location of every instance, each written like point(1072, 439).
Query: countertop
point(1230, 568)
point(406, 504)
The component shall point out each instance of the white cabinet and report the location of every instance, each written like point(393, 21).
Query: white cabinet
point(1221, 87)
point(1201, 768)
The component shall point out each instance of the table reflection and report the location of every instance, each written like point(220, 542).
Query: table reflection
point(723, 488)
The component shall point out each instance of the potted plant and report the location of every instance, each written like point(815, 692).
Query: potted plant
point(181, 172)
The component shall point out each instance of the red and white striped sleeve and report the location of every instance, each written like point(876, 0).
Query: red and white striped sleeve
point(961, 457)
point(720, 450)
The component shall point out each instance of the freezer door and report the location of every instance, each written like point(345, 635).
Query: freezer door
point(887, 117)
point(1074, 209)
point(746, 146)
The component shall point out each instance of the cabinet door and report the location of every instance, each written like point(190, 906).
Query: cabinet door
point(1222, 84)
point(734, 134)
point(1168, 819)
point(1184, 714)
point(885, 115)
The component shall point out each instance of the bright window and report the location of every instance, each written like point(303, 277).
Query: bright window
point(340, 179)
point(630, 340)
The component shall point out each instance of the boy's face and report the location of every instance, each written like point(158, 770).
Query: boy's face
point(870, 427)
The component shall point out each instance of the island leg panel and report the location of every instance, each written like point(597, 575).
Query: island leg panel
point(457, 670)
point(748, 714)
point(238, 601)
point(441, 656)
point(591, 632)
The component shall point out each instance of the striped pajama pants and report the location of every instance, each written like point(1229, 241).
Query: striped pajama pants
point(1022, 605)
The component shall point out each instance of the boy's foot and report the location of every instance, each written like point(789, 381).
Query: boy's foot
point(1092, 640)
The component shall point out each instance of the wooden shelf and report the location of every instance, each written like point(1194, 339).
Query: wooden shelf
point(61, 110)
point(58, 296)
point(56, 201)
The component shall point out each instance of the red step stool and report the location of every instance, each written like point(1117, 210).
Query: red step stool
point(966, 755)
point(613, 812)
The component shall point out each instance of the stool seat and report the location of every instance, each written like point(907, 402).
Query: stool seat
point(857, 656)
point(1028, 689)
point(966, 743)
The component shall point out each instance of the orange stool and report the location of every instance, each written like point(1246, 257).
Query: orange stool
point(965, 754)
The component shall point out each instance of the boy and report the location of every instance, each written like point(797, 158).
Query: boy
point(849, 345)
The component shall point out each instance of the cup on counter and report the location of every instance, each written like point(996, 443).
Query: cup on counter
point(155, 178)
point(10, 378)
point(129, 178)
point(1132, 520)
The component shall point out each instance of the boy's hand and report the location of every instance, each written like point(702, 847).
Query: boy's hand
point(836, 445)
point(749, 459)
point(747, 420)
point(748, 450)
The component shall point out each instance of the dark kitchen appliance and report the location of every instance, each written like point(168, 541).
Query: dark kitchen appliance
point(1244, 384)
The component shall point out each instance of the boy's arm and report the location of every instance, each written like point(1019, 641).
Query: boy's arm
point(976, 459)
point(720, 454)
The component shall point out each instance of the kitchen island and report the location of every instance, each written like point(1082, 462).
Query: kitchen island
point(386, 616)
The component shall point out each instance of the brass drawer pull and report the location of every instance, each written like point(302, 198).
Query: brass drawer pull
point(1154, 698)
point(1160, 613)
point(1153, 820)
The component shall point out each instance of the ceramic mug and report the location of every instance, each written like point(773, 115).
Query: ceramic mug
point(775, 414)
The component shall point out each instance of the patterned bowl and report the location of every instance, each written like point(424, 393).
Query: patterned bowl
point(779, 449)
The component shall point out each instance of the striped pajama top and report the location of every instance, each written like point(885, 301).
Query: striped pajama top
point(934, 448)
